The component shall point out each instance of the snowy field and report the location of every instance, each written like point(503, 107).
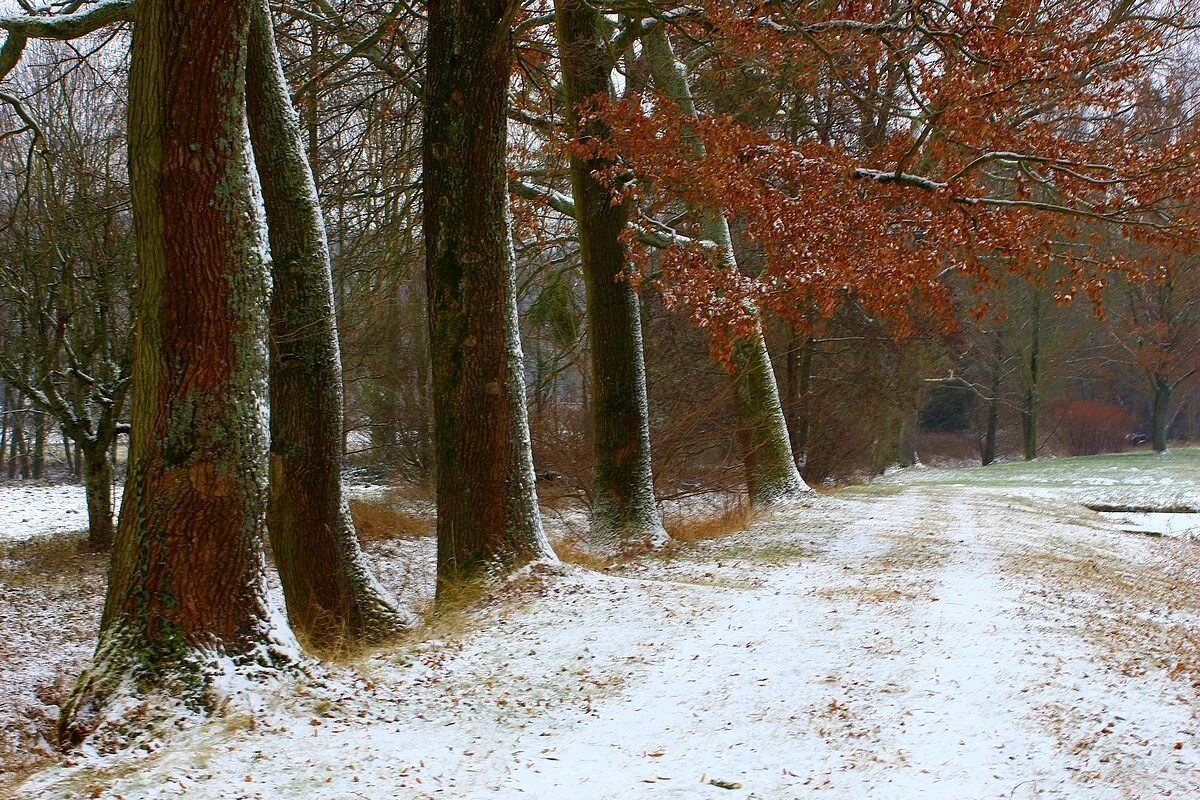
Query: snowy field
point(940, 634)
point(37, 509)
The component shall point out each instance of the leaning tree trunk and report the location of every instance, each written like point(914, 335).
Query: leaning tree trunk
point(66, 444)
point(487, 509)
point(771, 473)
point(332, 596)
point(98, 486)
point(187, 595)
point(1161, 414)
point(625, 517)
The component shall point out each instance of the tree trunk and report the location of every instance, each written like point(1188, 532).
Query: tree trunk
point(332, 596)
point(796, 393)
point(486, 499)
point(1161, 417)
point(987, 453)
point(625, 517)
point(15, 445)
point(98, 485)
point(187, 597)
point(895, 446)
point(771, 473)
point(1030, 406)
point(5, 425)
point(39, 447)
point(66, 442)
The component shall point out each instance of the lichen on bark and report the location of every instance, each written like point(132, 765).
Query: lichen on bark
point(771, 472)
point(333, 599)
point(186, 599)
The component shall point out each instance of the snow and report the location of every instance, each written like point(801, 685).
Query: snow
point(36, 509)
point(934, 635)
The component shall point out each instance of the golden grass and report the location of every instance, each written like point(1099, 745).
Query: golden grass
point(383, 520)
point(733, 517)
point(574, 550)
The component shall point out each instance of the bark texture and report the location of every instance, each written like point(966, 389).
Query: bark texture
point(771, 472)
point(186, 594)
point(98, 486)
point(332, 596)
point(486, 499)
point(625, 517)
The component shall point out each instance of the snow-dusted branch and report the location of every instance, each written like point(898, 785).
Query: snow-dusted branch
point(928, 184)
point(654, 233)
point(67, 26)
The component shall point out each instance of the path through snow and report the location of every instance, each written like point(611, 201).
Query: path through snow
point(941, 643)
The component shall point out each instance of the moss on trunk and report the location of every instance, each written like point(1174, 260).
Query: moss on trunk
point(625, 517)
point(487, 506)
point(187, 593)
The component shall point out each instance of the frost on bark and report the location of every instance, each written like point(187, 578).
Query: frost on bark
point(625, 517)
point(332, 596)
point(187, 598)
point(771, 472)
point(487, 505)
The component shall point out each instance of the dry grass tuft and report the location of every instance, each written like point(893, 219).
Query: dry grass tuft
point(733, 517)
point(380, 521)
point(453, 614)
point(575, 550)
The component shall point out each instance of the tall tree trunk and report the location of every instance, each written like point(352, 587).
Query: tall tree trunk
point(187, 594)
point(894, 447)
point(487, 509)
point(771, 473)
point(1161, 417)
point(98, 486)
point(987, 452)
point(625, 517)
point(1030, 406)
point(332, 596)
point(6, 423)
point(15, 445)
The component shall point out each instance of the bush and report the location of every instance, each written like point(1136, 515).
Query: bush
point(1087, 428)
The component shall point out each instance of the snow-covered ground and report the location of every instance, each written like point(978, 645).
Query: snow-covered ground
point(942, 634)
point(36, 509)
